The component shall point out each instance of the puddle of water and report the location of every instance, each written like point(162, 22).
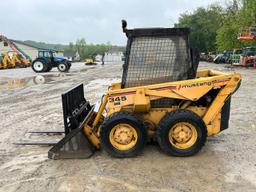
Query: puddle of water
point(86, 69)
point(83, 70)
point(30, 81)
point(35, 80)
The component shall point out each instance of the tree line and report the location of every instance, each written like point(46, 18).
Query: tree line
point(87, 50)
point(216, 28)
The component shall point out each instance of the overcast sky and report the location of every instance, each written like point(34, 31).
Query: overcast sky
point(98, 21)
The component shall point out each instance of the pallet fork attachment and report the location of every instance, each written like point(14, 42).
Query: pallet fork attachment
point(76, 113)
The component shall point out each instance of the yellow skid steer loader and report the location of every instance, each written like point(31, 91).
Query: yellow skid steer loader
point(161, 96)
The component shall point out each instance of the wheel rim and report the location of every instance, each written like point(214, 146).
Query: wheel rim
point(183, 135)
point(123, 136)
point(39, 79)
point(62, 67)
point(38, 66)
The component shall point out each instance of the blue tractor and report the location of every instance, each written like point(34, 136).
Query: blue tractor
point(47, 59)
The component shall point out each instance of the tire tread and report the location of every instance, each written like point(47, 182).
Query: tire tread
point(185, 115)
point(118, 117)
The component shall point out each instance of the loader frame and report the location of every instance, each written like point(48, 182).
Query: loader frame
point(137, 100)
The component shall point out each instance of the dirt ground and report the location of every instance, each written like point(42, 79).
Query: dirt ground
point(29, 102)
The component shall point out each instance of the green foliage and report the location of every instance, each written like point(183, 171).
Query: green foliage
point(80, 46)
point(88, 50)
point(85, 50)
point(248, 13)
point(236, 19)
point(42, 45)
point(228, 32)
point(217, 28)
point(204, 24)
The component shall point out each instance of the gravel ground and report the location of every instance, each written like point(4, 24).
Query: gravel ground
point(29, 102)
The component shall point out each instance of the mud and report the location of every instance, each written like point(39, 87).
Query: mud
point(226, 163)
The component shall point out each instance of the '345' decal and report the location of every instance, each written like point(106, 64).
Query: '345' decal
point(117, 99)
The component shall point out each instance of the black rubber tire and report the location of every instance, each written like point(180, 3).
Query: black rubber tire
point(69, 64)
point(249, 63)
point(216, 61)
point(39, 79)
point(174, 117)
point(63, 67)
point(123, 117)
point(49, 67)
point(44, 66)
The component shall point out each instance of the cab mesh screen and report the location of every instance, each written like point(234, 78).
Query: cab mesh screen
point(152, 60)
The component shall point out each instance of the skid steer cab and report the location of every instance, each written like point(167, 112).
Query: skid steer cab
point(162, 96)
point(47, 59)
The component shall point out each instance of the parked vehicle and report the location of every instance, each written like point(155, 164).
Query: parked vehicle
point(47, 59)
point(90, 61)
point(176, 105)
point(248, 58)
point(206, 57)
point(247, 34)
point(235, 56)
point(223, 57)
